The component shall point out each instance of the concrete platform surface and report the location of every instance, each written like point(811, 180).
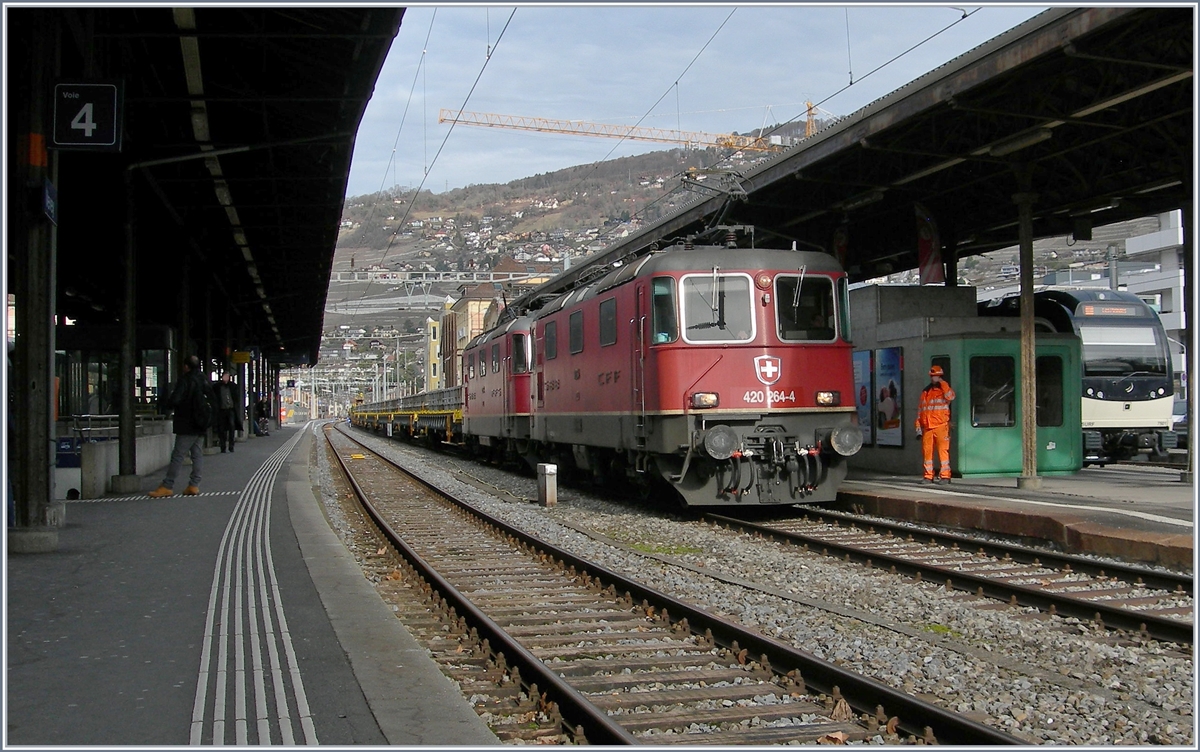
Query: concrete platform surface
point(232, 617)
point(1140, 513)
point(238, 617)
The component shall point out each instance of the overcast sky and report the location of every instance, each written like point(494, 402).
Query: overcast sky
point(717, 69)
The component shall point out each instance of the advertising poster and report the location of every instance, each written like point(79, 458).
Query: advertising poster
point(864, 395)
point(929, 248)
point(889, 402)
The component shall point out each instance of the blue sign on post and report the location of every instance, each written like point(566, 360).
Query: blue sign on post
point(50, 201)
point(87, 115)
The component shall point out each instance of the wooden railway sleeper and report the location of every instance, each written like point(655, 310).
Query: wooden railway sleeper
point(649, 611)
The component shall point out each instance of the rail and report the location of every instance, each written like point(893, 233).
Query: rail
point(915, 716)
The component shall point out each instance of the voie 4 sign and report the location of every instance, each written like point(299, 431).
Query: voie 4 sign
point(87, 115)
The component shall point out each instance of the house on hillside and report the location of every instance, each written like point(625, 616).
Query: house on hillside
point(433, 344)
point(544, 271)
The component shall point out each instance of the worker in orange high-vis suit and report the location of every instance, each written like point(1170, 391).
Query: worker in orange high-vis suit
point(933, 424)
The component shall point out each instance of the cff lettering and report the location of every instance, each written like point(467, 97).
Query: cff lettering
point(608, 377)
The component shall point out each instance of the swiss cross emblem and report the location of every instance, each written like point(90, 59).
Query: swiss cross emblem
point(768, 369)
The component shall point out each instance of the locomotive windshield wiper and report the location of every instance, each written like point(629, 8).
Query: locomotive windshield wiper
point(718, 296)
point(799, 284)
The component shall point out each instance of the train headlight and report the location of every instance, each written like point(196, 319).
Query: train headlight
point(706, 399)
point(829, 399)
point(846, 440)
point(722, 441)
point(763, 281)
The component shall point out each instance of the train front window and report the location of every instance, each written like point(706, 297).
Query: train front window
point(804, 308)
point(717, 308)
point(663, 320)
point(1122, 351)
point(520, 357)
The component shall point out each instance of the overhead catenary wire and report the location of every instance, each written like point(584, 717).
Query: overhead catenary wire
point(675, 85)
point(670, 194)
point(404, 115)
point(425, 177)
point(849, 61)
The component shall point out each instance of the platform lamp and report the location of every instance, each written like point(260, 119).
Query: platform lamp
point(1019, 142)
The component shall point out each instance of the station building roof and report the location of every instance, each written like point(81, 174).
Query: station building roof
point(237, 134)
point(1095, 105)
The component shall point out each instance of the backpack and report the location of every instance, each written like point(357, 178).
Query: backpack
point(202, 406)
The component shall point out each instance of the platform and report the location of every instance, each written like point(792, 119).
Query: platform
point(1139, 513)
point(151, 609)
point(232, 617)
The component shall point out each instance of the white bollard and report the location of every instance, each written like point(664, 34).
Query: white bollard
point(547, 484)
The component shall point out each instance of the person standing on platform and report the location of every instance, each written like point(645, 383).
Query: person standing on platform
point(229, 411)
point(933, 424)
point(191, 421)
point(262, 409)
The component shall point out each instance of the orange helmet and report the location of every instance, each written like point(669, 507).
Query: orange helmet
point(935, 371)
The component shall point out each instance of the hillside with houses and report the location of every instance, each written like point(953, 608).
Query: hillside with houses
point(475, 248)
point(546, 217)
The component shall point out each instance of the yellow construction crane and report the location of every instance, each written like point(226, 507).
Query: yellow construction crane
point(583, 128)
point(810, 122)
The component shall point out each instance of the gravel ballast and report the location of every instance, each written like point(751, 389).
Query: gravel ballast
point(1049, 680)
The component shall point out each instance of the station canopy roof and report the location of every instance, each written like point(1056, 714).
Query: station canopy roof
point(239, 128)
point(1095, 105)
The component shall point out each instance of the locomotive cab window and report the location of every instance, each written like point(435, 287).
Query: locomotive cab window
point(843, 285)
point(496, 358)
point(608, 322)
point(663, 319)
point(471, 366)
point(575, 325)
point(805, 308)
point(551, 340)
point(520, 354)
point(717, 308)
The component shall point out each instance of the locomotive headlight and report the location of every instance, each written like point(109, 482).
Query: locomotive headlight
point(705, 399)
point(722, 441)
point(763, 281)
point(846, 440)
point(829, 399)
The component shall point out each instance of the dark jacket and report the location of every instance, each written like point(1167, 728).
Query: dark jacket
point(235, 399)
point(180, 401)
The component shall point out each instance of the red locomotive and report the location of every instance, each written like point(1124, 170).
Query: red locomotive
point(720, 371)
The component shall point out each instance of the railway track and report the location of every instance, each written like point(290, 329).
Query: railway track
point(564, 643)
point(1145, 602)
